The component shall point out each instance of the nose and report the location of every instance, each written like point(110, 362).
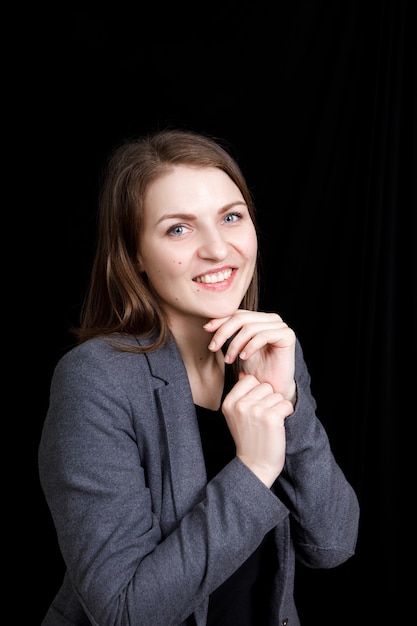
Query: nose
point(213, 247)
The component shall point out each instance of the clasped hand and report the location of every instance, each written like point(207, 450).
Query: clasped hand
point(264, 395)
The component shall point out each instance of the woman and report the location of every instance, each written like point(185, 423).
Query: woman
point(181, 456)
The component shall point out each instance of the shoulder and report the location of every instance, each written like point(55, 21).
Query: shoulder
point(111, 358)
point(99, 352)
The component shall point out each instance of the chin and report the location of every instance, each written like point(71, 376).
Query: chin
point(218, 312)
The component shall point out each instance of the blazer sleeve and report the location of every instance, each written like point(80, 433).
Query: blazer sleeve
point(324, 507)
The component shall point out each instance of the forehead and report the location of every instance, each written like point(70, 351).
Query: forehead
point(189, 184)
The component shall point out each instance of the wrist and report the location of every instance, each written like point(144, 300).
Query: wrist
point(292, 394)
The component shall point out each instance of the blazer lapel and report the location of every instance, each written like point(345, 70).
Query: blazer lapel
point(185, 453)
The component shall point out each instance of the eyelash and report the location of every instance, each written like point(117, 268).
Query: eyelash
point(173, 228)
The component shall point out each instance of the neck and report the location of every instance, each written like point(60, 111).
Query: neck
point(205, 369)
point(192, 341)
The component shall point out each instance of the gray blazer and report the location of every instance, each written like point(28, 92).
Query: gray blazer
point(144, 537)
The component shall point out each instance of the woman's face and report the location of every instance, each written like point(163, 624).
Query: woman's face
point(198, 244)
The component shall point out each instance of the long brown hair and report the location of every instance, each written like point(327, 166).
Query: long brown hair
point(119, 299)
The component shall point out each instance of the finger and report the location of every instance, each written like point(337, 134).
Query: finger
point(283, 337)
point(242, 320)
point(262, 391)
point(242, 387)
point(215, 323)
point(255, 336)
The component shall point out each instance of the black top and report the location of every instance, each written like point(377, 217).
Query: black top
point(242, 598)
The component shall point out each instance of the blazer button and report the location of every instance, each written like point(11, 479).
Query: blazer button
point(285, 622)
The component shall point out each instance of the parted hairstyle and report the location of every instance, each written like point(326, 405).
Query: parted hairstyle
point(119, 299)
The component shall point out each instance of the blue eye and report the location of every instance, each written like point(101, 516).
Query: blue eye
point(232, 217)
point(176, 230)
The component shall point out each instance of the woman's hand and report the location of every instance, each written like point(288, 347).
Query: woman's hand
point(255, 415)
point(264, 344)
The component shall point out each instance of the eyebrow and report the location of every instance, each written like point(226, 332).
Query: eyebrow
point(191, 216)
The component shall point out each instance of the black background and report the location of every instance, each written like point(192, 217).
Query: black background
point(318, 101)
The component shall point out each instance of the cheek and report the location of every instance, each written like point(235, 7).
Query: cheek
point(164, 269)
point(156, 258)
point(252, 246)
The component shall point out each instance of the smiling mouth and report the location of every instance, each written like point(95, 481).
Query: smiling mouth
point(214, 278)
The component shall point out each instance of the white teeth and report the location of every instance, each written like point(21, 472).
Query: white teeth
point(214, 278)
